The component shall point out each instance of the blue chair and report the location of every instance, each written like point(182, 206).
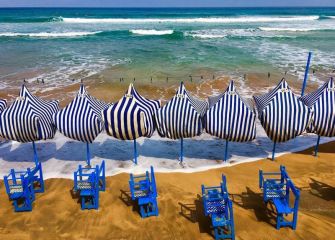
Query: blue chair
point(21, 187)
point(89, 182)
point(143, 190)
point(219, 207)
point(276, 187)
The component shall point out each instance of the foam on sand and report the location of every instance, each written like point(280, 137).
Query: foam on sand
point(151, 32)
point(61, 156)
point(191, 20)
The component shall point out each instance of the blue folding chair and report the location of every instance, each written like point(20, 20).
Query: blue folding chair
point(89, 182)
point(219, 207)
point(143, 190)
point(277, 187)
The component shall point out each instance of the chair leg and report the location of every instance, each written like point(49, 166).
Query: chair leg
point(279, 220)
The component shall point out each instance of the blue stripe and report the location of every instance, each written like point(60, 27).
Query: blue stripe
point(282, 114)
point(28, 118)
point(182, 116)
point(140, 111)
point(81, 119)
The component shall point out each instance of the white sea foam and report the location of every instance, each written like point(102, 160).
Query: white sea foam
point(191, 20)
point(280, 29)
point(61, 156)
point(151, 32)
point(222, 33)
point(48, 34)
point(204, 35)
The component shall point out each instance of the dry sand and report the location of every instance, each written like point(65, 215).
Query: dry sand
point(56, 213)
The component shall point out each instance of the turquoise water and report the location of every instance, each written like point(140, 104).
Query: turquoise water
point(61, 44)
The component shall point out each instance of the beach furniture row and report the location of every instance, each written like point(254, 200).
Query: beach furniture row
point(283, 115)
point(227, 116)
point(277, 187)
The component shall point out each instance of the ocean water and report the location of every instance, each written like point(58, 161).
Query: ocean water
point(61, 44)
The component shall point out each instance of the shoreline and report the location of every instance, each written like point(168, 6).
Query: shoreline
point(61, 156)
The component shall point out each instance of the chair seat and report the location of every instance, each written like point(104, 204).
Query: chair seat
point(282, 206)
point(84, 185)
point(140, 193)
point(15, 189)
point(215, 206)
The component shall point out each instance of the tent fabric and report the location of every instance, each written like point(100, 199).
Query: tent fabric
point(281, 113)
point(81, 119)
point(28, 118)
point(229, 117)
point(322, 103)
point(182, 116)
point(131, 117)
point(3, 104)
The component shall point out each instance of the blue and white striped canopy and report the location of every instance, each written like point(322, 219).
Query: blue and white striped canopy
point(3, 104)
point(131, 117)
point(28, 118)
point(322, 103)
point(229, 117)
point(81, 119)
point(282, 114)
point(182, 116)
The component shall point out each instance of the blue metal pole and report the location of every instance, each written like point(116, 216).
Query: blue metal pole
point(306, 73)
point(317, 147)
point(135, 152)
point(35, 154)
point(88, 154)
point(181, 150)
point(273, 151)
point(226, 152)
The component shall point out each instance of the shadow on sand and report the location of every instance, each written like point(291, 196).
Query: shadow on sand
point(251, 200)
point(194, 212)
point(322, 190)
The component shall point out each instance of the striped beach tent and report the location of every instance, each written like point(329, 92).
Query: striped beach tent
point(28, 119)
point(181, 117)
point(3, 104)
point(322, 103)
point(131, 117)
point(230, 117)
point(282, 114)
point(81, 119)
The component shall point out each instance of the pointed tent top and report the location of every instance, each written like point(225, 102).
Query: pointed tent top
point(311, 98)
point(231, 86)
point(82, 90)
point(181, 89)
point(263, 100)
point(231, 90)
point(130, 89)
point(24, 91)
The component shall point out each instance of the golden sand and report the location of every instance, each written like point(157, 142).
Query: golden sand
point(56, 213)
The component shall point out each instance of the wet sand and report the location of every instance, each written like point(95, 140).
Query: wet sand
point(56, 213)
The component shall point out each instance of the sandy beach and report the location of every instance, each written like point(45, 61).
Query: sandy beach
point(56, 213)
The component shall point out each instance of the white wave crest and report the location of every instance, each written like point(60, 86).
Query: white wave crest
point(191, 20)
point(271, 29)
point(204, 35)
point(48, 34)
point(151, 32)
